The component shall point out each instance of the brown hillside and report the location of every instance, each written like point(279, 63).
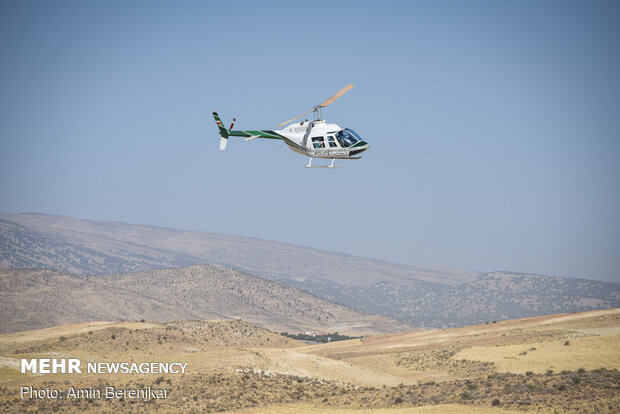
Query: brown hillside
point(33, 299)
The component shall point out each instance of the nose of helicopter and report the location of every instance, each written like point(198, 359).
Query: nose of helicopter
point(359, 148)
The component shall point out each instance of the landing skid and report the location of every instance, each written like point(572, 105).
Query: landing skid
point(322, 166)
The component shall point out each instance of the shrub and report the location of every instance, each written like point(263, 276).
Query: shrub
point(576, 380)
point(113, 336)
point(529, 373)
point(549, 372)
point(495, 402)
point(567, 343)
point(159, 379)
point(465, 395)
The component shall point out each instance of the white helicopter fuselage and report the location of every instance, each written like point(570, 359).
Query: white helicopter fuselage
point(318, 139)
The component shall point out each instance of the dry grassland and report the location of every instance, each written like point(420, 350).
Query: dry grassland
point(511, 366)
point(436, 409)
point(591, 352)
point(72, 329)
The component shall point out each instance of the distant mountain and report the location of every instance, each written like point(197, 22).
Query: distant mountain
point(32, 299)
point(421, 296)
point(489, 297)
point(100, 247)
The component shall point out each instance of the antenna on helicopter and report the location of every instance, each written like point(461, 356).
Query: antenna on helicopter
point(316, 109)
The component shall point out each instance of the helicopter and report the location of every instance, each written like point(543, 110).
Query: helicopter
point(315, 139)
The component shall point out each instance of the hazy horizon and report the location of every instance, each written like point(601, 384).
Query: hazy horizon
point(493, 127)
point(420, 265)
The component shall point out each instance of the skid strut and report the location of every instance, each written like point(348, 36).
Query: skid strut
point(322, 166)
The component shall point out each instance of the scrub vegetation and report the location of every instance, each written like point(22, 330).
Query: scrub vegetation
point(235, 366)
point(319, 338)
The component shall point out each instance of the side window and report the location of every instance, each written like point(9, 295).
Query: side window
point(318, 142)
point(332, 141)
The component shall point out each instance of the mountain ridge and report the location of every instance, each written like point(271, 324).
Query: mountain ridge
point(418, 296)
point(185, 246)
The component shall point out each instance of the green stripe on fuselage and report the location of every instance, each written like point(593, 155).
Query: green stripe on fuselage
point(267, 134)
point(238, 133)
point(256, 133)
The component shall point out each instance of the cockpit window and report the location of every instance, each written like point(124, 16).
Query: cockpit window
point(355, 134)
point(347, 137)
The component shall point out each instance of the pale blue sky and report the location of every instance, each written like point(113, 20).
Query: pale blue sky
point(494, 126)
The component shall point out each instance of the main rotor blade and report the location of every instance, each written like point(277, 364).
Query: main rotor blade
point(292, 119)
point(336, 96)
point(323, 105)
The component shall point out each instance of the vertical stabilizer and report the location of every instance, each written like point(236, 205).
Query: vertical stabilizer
point(223, 131)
